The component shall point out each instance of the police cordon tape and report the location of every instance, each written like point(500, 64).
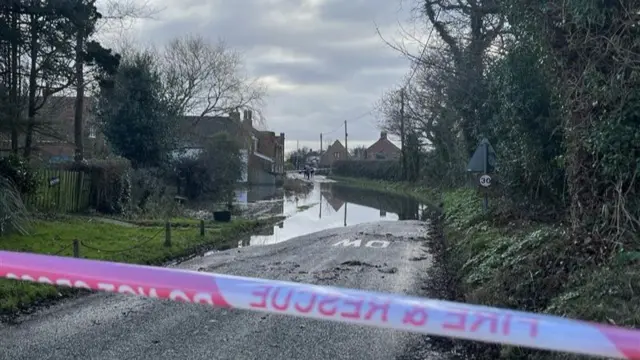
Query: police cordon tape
point(382, 310)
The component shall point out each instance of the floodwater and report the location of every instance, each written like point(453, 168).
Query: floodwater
point(328, 205)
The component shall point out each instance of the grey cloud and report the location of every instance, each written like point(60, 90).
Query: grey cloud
point(361, 11)
point(243, 24)
point(302, 73)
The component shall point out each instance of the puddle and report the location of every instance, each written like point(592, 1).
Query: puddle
point(328, 205)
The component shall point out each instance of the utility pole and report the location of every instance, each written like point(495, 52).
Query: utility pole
point(346, 147)
point(320, 143)
point(297, 154)
point(402, 140)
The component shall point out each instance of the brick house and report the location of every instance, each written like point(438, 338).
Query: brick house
point(262, 151)
point(334, 152)
point(53, 138)
point(383, 149)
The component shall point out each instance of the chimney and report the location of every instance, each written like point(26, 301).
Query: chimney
point(383, 135)
point(247, 118)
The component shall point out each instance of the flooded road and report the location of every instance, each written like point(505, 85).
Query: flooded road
point(386, 255)
point(328, 205)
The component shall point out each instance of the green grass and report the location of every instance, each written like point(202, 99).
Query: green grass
point(529, 266)
point(105, 241)
point(525, 265)
point(415, 190)
point(175, 222)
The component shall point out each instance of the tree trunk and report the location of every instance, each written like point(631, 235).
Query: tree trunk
point(13, 91)
point(32, 85)
point(79, 107)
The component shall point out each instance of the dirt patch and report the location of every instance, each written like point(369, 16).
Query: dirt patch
point(326, 275)
point(392, 270)
point(418, 258)
point(441, 283)
point(358, 263)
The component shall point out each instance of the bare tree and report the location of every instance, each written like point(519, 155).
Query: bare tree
point(206, 79)
point(464, 32)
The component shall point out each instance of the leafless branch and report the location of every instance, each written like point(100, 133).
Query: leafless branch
point(206, 79)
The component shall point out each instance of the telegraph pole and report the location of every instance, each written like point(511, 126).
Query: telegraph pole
point(404, 154)
point(297, 154)
point(346, 147)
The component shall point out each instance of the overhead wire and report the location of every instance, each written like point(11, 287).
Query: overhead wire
point(414, 70)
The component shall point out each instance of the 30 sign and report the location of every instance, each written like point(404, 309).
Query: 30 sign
point(485, 180)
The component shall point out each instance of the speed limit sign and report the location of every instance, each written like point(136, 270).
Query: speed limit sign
point(485, 180)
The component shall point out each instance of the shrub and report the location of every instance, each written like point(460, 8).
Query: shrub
point(110, 183)
point(13, 214)
point(389, 170)
point(213, 172)
point(19, 172)
point(148, 188)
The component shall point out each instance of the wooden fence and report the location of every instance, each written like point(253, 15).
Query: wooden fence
point(60, 191)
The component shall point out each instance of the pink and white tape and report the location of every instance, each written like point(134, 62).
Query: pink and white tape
point(329, 303)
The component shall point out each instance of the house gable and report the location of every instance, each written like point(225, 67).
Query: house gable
point(382, 147)
point(334, 152)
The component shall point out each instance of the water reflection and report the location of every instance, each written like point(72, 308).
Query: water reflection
point(331, 205)
point(265, 200)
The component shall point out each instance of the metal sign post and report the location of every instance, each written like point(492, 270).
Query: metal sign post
point(483, 161)
point(485, 201)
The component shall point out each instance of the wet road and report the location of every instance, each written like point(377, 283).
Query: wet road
point(107, 326)
point(328, 205)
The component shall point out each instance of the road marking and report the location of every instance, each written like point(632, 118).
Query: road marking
point(346, 243)
point(375, 244)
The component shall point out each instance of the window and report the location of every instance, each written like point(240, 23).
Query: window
point(336, 155)
point(92, 131)
point(255, 144)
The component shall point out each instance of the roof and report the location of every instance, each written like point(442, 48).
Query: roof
point(335, 144)
point(383, 145)
point(199, 128)
point(263, 157)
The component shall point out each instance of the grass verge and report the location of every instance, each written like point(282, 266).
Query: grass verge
point(107, 241)
point(529, 266)
point(414, 190)
point(177, 222)
point(526, 266)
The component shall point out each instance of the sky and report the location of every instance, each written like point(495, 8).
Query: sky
point(321, 60)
